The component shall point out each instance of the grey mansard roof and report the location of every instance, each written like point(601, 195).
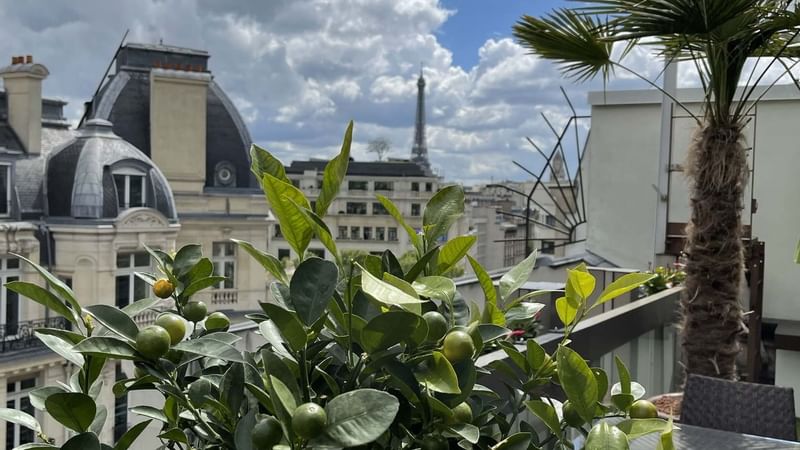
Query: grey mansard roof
point(364, 168)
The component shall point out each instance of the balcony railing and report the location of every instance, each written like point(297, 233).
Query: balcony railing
point(224, 296)
point(19, 335)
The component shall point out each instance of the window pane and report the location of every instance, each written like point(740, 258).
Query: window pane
point(229, 248)
point(139, 288)
point(141, 259)
point(136, 195)
point(25, 434)
point(12, 309)
point(123, 287)
point(119, 180)
point(123, 259)
point(4, 194)
point(11, 387)
point(217, 248)
point(12, 263)
point(10, 430)
point(230, 272)
point(28, 383)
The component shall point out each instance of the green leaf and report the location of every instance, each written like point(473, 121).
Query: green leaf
point(635, 428)
point(453, 251)
point(61, 347)
point(623, 285)
point(284, 394)
point(523, 312)
point(602, 382)
point(43, 297)
point(273, 335)
point(580, 285)
point(262, 163)
point(637, 391)
point(492, 312)
point(74, 410)
point(20, 418)
point(115, 320)
point(199, 285)
point(65, 335)
point(83, 441)
point(186, 258)
point(665, 440)
point(390, 264)
point(130, 436)
point(62, 290)
point(321, 230)
point(39, 395)
point(280, 195)
point(624, 375)
point(174, 435)
point(547, 414)
point(151, 412)
point(438, 375)
point(231, 388)
point(398, 217)
point(517, 441)
point(244, 429)
point(578, 382)
point(211, 348)
point(107, 347)
point(289, 325)
point(606, 437)
point(99, 420)
point(535, 354)
point(359, 417)
point(267, 261)
point(420, 265)
point(36, 446)
point(388, 329)
point(442, 211)
point(436, 287)
point(334, 173)
point(386, 293)
point(467, 431)
point(490, 332)
point(203, 269)
point(139, 306)
point(517, 276)
point(566, 312)
point(312, 287)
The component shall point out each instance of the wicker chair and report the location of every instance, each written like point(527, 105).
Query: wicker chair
point(750, 408)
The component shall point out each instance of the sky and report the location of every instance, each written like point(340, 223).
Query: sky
point(298, 70)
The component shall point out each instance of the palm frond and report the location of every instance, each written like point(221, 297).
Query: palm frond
point(579, 44)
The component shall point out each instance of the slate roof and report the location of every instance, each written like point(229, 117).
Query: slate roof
point(364, 168)
point(28, 173)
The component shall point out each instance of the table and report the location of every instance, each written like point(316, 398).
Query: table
point(690, 438)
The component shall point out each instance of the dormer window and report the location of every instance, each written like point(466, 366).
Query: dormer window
point(131, 188)
point(5, 189)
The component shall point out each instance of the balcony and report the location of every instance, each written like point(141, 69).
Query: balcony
point(19, 336)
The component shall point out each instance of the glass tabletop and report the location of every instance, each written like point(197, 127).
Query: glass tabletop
point(689, 438)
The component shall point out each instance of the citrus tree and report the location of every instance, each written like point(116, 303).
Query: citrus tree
point(365, 354)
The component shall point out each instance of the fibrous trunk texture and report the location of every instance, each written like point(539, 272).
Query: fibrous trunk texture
point(712, 315)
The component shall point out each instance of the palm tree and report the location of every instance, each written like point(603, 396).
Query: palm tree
point(718, 36)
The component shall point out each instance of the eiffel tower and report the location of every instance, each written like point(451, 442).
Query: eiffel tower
point(419, 151)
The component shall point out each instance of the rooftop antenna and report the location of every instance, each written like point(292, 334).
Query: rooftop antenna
point(90, 103)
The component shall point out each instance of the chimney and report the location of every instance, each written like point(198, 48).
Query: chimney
point(23, 85)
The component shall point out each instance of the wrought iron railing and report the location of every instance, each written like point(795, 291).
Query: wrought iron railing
point(19, 335)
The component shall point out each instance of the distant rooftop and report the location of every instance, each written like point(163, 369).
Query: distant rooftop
point(367, 168)
point(147, 56)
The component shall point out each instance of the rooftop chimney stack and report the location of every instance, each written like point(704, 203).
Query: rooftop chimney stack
point(23, 85)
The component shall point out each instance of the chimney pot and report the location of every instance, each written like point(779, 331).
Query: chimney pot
point(29, 59)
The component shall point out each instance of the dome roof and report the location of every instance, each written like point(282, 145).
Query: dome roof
point(80, 176)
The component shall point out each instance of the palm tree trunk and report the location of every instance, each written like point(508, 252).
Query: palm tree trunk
point(712, 316)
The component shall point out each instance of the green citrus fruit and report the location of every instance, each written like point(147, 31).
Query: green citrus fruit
point(153, 342)
point(138, 372)
point(462, 413)
point(437, 325)
point(571, 416)
point(175, 326)
point(434, 443)
point(217, 321)
point(163, 288)
point(267, 433)
point(198, 391)
point(458, 346)
point(309, 420)
point(643, 409)
point(195, 311)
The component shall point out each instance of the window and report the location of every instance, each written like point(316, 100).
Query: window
point(550, 220)
point(120, 407)
point(5, 189)
point(380, 233)
point(223, 256)
point(384, 186)
point(415, 209)
point(317, 252)
point(278, 232)
point(428, 187)
point(379, 210)
point(313, 204)
point(296, 183)
point(9, 301)
point(131, 188)
point(357, 185)
point(354, 232)
point(129, 287)
point(356, 208)
point(548, 247)
point(17, 399)
point(392, 233)
point(367, 233)
point(414, 186)
point(342, 232)
point(283, 253)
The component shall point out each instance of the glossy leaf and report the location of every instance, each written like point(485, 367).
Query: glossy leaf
point(602, 382)
point(359, 417)
point(273, 335)
point(130, 436)
point(231, 387)
point(320, 229)
point(244, 430)
point(635, 428)
point(517, 276)
point(624, 375)
point(74, 410)
point(39, 395)
point(267, 261)
point(535, 354)
point(580, 286)
point(262, 163)
point(606, 437)
point(492, 312)
point(419, 267)
point(438, 375)
point(43, 297)
point(99, 420)
point(665, 440)
point(388, 329)
point(139, 306)
point(60, 288)
point(637, 391)
point(312, 287)
point(436, 287)
point(546, 413)
point(174, 435)
point(442, 211)
point(517, 441)
point(386, 293)
point(83, 441)
point(334, 174)
point(398, 217)
point(186, 258)
point(151, 412)
point(566, 312)
point(107, 347)
point(281, 196)
point(453, 251)
point(201, 284)
point(20, 418)
point(468, 431)
point(391, 264)
point(523, 312)
point(210, 347)
point(578, 382)
point(115, 320)
point(623, 285)
point(61, 347)
point(284, 394)
point(289, 325)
